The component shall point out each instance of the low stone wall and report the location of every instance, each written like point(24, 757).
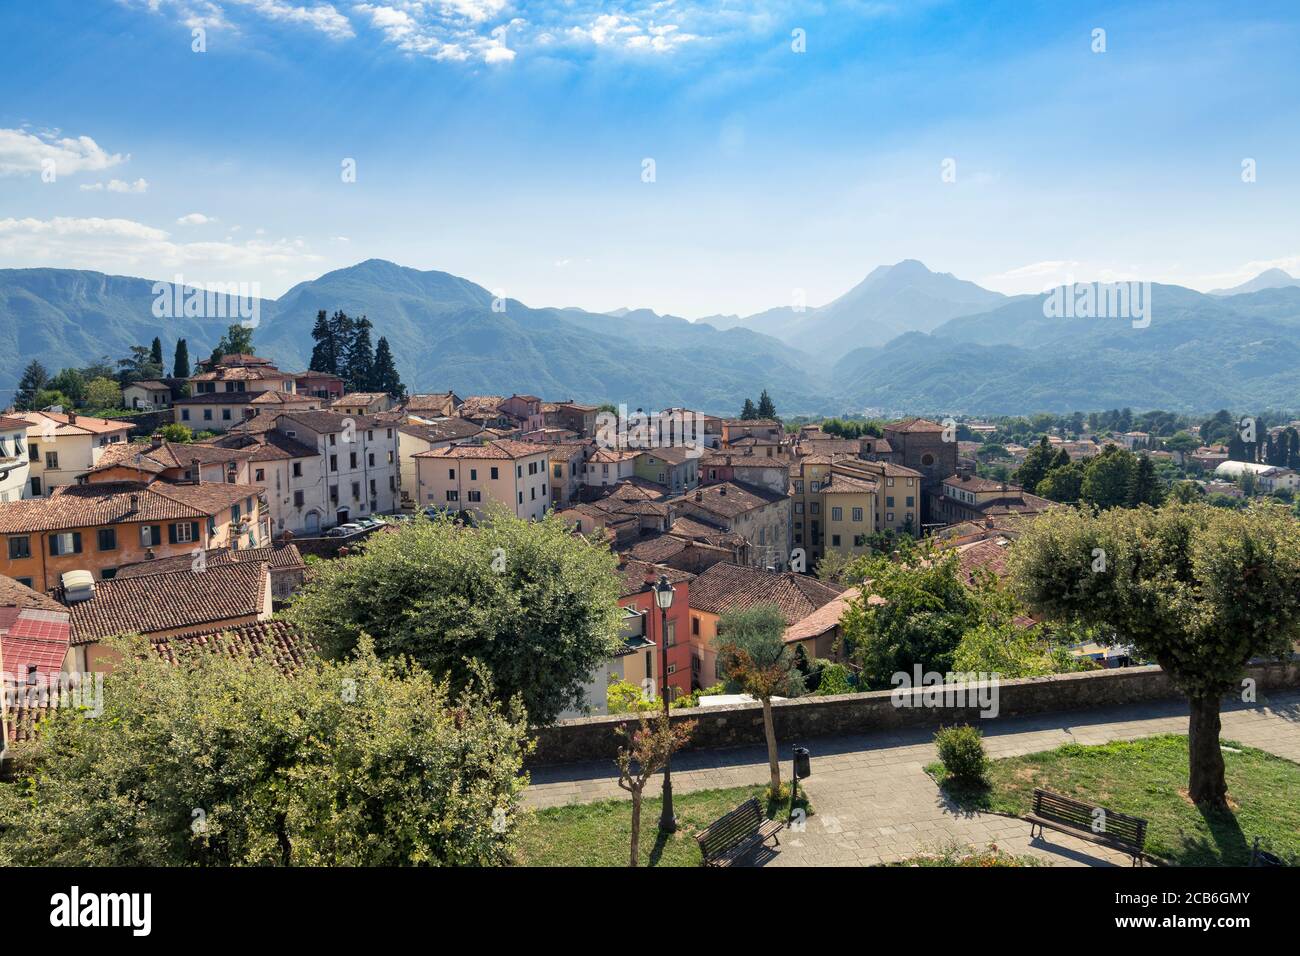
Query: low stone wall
point(328, 548)
point(594, 738)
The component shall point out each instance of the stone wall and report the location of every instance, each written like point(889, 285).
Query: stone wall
point(593, 738)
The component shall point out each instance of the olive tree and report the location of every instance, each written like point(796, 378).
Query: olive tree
point(649, 747)
point(757, 661)
point(1199, 590)
point(532, 602)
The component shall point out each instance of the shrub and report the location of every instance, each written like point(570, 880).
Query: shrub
point(834, 680)
point(961, 749)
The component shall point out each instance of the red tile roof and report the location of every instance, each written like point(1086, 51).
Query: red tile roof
point(731, 587)
point(83, 506)
point(170, 601)
point(278, 640)
point(502, 448)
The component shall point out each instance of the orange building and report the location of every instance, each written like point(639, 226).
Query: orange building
point(100, 527)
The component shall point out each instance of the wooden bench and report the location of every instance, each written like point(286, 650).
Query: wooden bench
point(728, 838)
point(1119, 831)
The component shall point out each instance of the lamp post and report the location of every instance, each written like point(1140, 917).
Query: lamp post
point(664, 593)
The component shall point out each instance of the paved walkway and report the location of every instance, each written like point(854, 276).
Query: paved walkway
point(874, 803)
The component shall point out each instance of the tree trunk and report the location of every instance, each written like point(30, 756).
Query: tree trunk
point(769, 728)
point(636, 828)
point(1206, 785)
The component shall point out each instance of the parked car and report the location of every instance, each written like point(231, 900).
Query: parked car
point(343, 530)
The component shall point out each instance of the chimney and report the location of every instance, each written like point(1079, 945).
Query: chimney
point(156, 440)
point(722, 492)
point(197, 471)
point(699, 496)
point(72, 417)
point(135, 502)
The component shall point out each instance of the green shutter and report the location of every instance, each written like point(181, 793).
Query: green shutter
point(171, 534)
point(76, 542)
point(194, 531)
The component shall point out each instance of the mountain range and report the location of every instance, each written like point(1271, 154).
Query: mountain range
point(905, 339)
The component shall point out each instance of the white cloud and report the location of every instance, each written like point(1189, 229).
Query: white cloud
point(195, 219)
point(217, 14)
point(25, 152)
point(117, 186)
point(130, 247)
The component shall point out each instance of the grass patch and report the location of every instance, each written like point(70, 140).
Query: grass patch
point(1148, 778)
point(968, 856)
point(600, 834)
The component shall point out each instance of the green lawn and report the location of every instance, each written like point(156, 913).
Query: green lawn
point(1148, 778)
point(599, 834)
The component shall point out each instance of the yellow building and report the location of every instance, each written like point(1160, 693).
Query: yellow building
point(514, 474)
point(839, 501)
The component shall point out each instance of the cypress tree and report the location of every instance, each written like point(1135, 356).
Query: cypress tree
point(386, 376)
point(155, 352)
point(181, 361)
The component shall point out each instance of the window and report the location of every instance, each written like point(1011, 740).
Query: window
point(390, 457)
point(889, 516)
point(108, 574)
point(352, 461)
point(532, 494)
point(297, 469)
point(475, 495)
point(297, 499)
point(33, 453)
point(835, 541)
point(52, 460)
point(494, 473)
point(798, 507)
point(259, 474)
point(889, 501)
point(67, 543)
point(519, 471)
point(107, 539)
point(333, 439)
point(150, 535)
point(356, 491)
point(857, 514)
point(392, 483)
point(859, 540)
point(695, 626)
point(334, 494)
point(815, 508)
point(798, 487)
point(911, 501)
point(837, 513)
point(225, 414)
point(20, 547)
point(234, 513)
point(453, 495)
point(672, 633)
point(373, 490)
point(559, 471)
point(473, 474)
point(334, 461)
point(25, 582)
point(521, 497)
point(185, 414)
point(207, 414)
point(183, 532)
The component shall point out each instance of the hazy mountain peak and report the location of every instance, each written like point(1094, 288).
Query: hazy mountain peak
point(1268, 279)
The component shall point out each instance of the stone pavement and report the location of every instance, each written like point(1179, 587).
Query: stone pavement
point(873, 802)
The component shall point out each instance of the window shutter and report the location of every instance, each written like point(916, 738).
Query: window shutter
point(194, 531)
point(155, 534)
point(76, 542)
point(171, 534)
point(54, 545)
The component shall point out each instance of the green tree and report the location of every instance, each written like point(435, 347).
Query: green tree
point(103, 393)
point(181, 360)
point(766, 409)
point(1199, 590)
point(534, 603)
point(925, 611)
point(1035, 466)
point(748, 412)
point(359, 375)
point(155, 352)
point(224, 761)
point(237, 340)
point(331, 335)
point(137, 367)
point(72, 383)
point(1181, 443)
point(33, 380)
point(757, 661)
point(178, 433)
point(1063, 483)
point(1106, 478)
point(386, 378)
point(1143, 486)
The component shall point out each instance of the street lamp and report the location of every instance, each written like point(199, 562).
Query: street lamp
point(664, 593)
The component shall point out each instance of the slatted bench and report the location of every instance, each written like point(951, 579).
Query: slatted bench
point(728, 838)
point(1119, 831)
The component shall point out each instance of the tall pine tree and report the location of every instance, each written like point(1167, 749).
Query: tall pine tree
point(766, 410)
point(360, 375)
point(181, 360)
point(155, 352)
point(34, 378)
point(386, 377)
point(749, 412)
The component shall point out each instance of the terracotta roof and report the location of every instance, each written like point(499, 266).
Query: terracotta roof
point(989, 555)
point(14, 594)
point(165, 456)
point(612, 455)
point(33, 637)
point(976, 484)
point(505, 449)
point(914, 425)
point(728, 459)
point(480, 404)
point(845, 485)
point(825, 617)
point(276, 397)
point(8, 421)
point(280, 557)
point(178, 599)
point(57, 424)
point(358, 398)
point(673, 454)
point(731, 587)
point(657, 548)
point(442, 402)
point(152, 385)
point(81, 506)
point(753, 422)
point(278, 640)
point(730, 498)
point(635, 573)
point(445, 429)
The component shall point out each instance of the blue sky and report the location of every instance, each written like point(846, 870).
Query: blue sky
point(505, 142)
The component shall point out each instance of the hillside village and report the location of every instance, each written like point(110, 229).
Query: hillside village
point(107, 520)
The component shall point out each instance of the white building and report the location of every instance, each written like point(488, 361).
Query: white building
point(13, 458)
point(1268, 478)
point(61, 447)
